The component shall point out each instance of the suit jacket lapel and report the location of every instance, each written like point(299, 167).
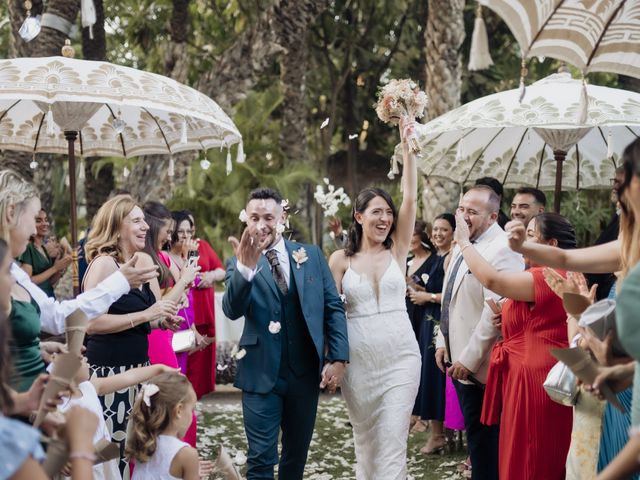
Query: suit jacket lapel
point(264, 269)
point(298, 273)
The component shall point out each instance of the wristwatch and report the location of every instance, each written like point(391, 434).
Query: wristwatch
point(433, 297)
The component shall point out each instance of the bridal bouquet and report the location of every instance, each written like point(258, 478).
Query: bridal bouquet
point(401, 98)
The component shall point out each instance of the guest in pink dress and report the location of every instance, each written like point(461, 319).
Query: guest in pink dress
point(161, 222)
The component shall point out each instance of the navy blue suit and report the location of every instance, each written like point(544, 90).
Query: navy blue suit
point(280, 373)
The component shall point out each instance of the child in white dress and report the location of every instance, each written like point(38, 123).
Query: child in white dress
point(86, 395)
point(161, 415)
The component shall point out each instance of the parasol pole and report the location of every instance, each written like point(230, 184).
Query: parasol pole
point(559, 156)
point(71, 136)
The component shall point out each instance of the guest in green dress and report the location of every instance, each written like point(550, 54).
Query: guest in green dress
point(37, 260)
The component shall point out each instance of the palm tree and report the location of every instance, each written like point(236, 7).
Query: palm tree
point(444, 36)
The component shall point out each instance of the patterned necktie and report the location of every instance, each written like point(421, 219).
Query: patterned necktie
point(276, 271)
point(446, 299)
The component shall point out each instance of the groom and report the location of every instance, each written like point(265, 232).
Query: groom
point(295, 337)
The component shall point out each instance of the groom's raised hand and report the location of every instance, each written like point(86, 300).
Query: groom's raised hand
point(253, 241)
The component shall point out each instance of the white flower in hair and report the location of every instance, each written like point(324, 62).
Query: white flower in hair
point(147, 391)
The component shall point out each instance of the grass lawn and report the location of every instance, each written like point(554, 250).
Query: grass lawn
point(331, 455)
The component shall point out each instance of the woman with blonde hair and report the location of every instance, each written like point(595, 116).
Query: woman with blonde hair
point(117, 341)
point(31, 309)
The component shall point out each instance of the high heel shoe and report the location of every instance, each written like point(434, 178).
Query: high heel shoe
point(435, 445)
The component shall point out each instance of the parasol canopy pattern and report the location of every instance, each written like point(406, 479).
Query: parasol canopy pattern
point(117, 110)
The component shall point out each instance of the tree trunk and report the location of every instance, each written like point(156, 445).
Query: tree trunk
point(292, 19)
point(18, 161)
point(444, 37)
point(47, 43)
point(98, 185)
point(149, 178)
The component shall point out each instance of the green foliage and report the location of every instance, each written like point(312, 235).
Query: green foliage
point(217, 199)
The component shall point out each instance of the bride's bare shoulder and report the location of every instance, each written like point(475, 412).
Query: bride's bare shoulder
point(338, 260)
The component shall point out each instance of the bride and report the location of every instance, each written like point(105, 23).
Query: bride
point(382, 378)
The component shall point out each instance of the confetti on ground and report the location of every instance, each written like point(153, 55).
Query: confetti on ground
point(331, 455)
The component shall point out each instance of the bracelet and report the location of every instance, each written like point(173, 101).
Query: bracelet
point(466, 246)
point(83, 456)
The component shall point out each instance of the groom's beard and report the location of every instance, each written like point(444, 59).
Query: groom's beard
point(274, 242)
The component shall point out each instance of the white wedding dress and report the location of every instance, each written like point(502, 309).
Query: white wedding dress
point(383, 374)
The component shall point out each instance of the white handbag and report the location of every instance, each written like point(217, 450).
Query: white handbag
point(562, 385)
point(183, 341)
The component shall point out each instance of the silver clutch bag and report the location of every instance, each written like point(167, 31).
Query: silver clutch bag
point(561, 385)
point(183, 341)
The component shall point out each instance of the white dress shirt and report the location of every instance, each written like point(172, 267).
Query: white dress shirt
point(93, 302)
point(283, 258)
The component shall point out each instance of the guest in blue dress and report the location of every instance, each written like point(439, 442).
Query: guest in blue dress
point(425, 274)
point(615, 424)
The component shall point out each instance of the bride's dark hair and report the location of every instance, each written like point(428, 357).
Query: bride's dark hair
point(354, 236)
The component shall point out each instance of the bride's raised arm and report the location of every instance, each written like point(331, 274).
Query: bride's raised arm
point(407, 212)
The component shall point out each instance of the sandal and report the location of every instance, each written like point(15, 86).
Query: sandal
point(435, 445)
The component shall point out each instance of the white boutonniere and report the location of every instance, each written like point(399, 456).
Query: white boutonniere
point(274, 327)
point(300, 256)
point(425, 278)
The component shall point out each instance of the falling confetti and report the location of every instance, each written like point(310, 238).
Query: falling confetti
point(325, 123)
point(353, 136)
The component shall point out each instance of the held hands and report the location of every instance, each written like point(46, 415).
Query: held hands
point(48, 350)
point(332, 375)
point(251, 246)
point(138, 276)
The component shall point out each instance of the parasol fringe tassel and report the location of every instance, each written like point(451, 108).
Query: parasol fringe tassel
point(609, 145)
point(172, 167)
point(524, 71)
point(521, 90)
point(50, 130)
point(89, 17)
point(240, 158)
point(479, 55)
point(229, 164)
point(395, 168)
point(583, 107)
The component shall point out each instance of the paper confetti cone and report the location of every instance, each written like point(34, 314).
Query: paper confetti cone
point(574, 303)
point(75, 329)
point(585, 368)
point(57, 457)
point(106, 450)
point(64, 369)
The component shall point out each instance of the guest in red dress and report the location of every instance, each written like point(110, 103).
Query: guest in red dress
point(535, 431)
point(201, 366)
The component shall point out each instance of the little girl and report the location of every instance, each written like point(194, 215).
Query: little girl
point(160, 416)
point(86, 395)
